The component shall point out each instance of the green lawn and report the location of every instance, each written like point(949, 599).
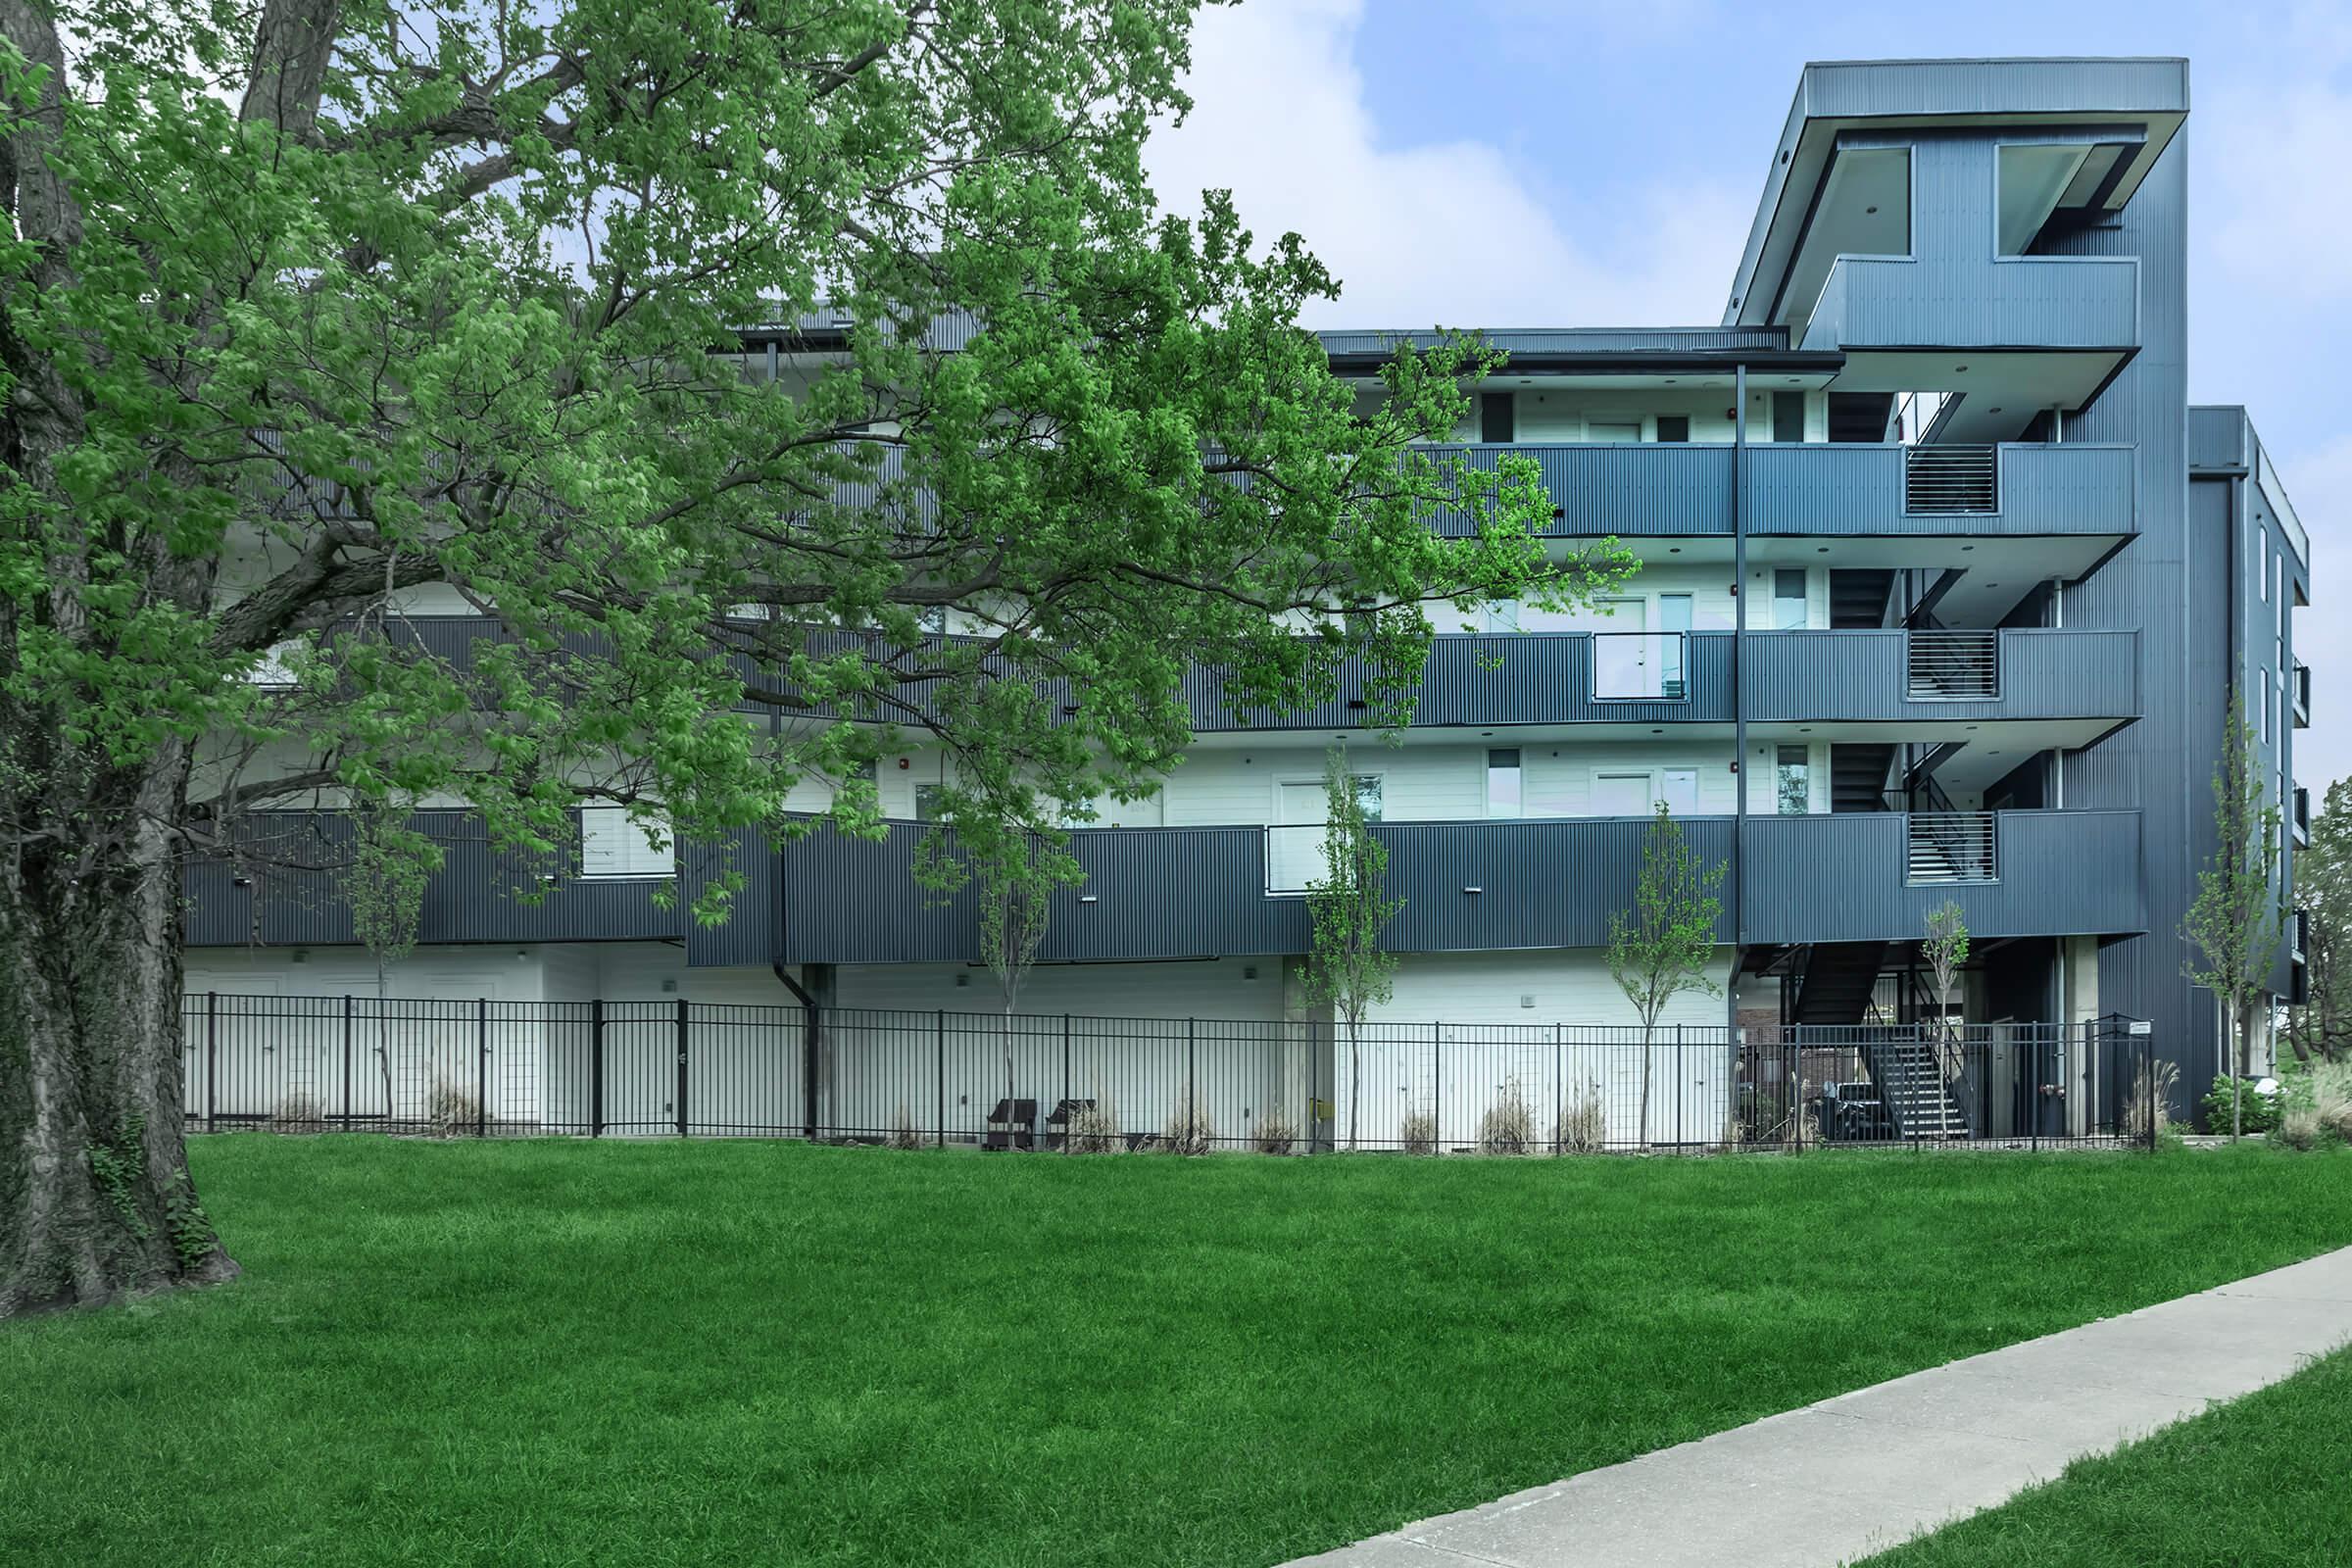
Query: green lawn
point(2265, 1480)
point(648, 1354)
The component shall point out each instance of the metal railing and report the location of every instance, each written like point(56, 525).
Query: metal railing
point(1097, 1084)
point(1640, 666)
point(1949, 666)
point(1951, 479)
point(2299, 694)
point(1950, 847)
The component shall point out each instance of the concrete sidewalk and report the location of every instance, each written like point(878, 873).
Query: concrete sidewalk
point(1867, 1470)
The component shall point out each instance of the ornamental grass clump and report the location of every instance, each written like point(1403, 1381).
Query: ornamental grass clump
point(450, 1110)
point(1275, 1135)
point(1094, 1129)
point(1189, 1131)
point(1582, 1127)
point(902, 1131)
point(298, 1113)
point(1419, 1133)
point(1508, 1126)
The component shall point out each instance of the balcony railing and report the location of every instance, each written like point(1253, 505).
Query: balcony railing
point(1944, 846)
point(1640, 666)
point(1951, 479)
point(2299, 695)
point(2299, 818)
point(1951, 665)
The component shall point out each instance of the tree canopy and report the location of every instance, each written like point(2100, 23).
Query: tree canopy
point(317, 313)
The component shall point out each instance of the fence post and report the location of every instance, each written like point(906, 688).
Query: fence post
point(2035, 1100)
point(1797, 1084)
point(811, 1034)
point(211, 1062)
point(1064, 1108)
point(682, 1032)
point(346, 1065)
point(1192, 1081)
point(1681, 1070)
point(1436, 1088)
point(481, 1067)
point(595, 1068)
point(1559, 1089)
point(942, 1126)
point(2147, 1068)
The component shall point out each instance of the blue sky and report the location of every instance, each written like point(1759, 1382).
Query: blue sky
point(1508, 163)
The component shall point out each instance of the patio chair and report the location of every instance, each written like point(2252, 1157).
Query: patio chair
point(1013, 1124)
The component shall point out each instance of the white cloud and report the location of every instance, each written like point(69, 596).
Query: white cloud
point(1446, 232)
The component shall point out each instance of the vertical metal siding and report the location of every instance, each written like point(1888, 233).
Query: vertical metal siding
point(1864, 675)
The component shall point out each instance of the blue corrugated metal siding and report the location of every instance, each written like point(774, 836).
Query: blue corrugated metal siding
point(2217, 437)
point(1178, 892)
point(1870, 303)
point(1840, 878)
point(1540, 884)
point(1844, 489)
point(481, 895)
point(1864, 675)
point(1634, 490)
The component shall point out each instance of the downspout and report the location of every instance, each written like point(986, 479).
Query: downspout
point(1739, 779)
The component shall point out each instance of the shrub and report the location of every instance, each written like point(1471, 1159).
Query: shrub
point(1508, 1126)
point(2257, 1113)
point(450, 1110)
point(1583, 1127)
point(2147, 1106)
point(1094, 1130)
point(298, 1113)
point(1275, 1134)
point(1419, 1133)
point(902, 1131)
point(1190, 1130)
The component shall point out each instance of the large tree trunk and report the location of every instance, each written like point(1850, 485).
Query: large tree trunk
point(95, 1199)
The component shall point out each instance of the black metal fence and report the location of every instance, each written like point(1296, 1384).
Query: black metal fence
point(1095, 1085)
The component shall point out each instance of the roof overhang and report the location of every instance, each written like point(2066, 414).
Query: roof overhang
point(2130, 106)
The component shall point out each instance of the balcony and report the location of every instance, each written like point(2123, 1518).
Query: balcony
point(2298, 691)
point(2059, 302)
point(1931, 676)
point(1638, 490)
point(2014, 489)
point(479, 894)
point(1873, 877)
point(2298, 820)
point(1174, 892)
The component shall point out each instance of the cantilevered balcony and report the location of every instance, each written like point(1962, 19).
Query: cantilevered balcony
point(1900, 304)
point(1870, 876)
point(1936, 675)
point(1686, 490)
point(2011, 489)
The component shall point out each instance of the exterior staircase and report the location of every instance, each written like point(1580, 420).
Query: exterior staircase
point(1858, 776)
point(1838, 982)
point(1858, 598)
point(1919, 1102)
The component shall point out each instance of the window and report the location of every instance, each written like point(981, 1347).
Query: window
point(1793, 781)
point(1503, 795)
point(1497, 420)
point(1788, 416)
point(2267, 705)
point(271, 673)
point(934, 620)
point(1612, 430)
point(613, 846)
point(1368, 794)
point(1678, 786)
point(1673, 428)
point(2262, 562)
point(1787, 600)
point(930, 803)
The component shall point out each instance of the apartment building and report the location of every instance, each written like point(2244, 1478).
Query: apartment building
point(1945, 594)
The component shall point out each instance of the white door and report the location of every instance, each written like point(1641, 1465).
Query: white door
point(1621, 795)
point(1621, 665)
